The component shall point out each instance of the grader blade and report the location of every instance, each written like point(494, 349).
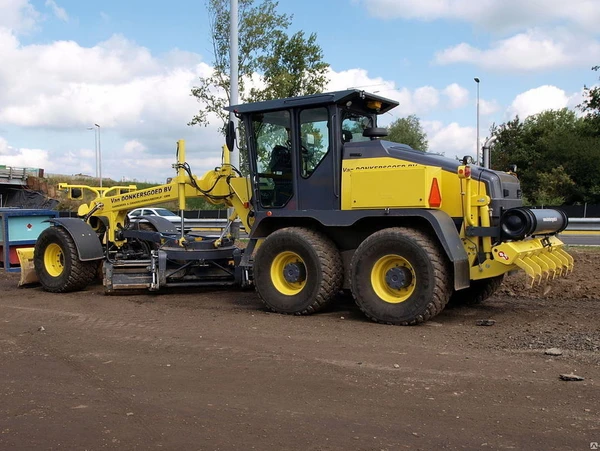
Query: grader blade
point(540, 258)
point(28, 274)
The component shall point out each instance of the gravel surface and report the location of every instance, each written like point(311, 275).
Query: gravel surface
point(214, 370)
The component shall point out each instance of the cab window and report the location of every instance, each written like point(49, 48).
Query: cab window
point(273, 159)
point(353, 125)
point(314, 139)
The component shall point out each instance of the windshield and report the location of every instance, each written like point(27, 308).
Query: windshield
point(164, 212)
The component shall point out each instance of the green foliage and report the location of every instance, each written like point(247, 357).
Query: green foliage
point(408, 130)
point(556, 156)
point(288, 65)
point(591, 106)
point(553, 186)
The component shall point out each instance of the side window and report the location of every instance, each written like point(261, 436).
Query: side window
point(271, 135)
point(135, 213)
point(314, 139)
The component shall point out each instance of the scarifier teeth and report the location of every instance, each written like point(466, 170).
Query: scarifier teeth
point(569, 259)
point(544, 266)
point(541, 259)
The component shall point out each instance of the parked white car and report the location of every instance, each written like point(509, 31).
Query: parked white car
point(162, 212)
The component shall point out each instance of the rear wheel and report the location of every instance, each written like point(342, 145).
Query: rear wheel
point(297, 271)
point(400, 276)
point(478, 292)
point(57, 263)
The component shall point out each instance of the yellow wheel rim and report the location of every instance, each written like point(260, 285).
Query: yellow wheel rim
point(54, 260)
point(288, 273)
point(393, 279)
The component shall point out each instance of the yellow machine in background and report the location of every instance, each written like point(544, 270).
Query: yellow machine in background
point(333, 206)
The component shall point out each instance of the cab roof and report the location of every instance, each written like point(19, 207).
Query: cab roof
point(357, 98)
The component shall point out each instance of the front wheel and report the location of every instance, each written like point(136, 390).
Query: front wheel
point(297, 271)
point(400, 276)
point(57, 263)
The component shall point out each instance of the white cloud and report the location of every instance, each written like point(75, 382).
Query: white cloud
point(18, 15)
point(420, 101)
point(537, 100)
point(533, 50)
point(115, 83)
point(491, 14)
point(59, 12)
point(426, 97)
point(488, 107)
point(134, 147)
point(450, 139)
point(457, 96)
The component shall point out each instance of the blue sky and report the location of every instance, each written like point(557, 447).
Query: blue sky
point(129, 66)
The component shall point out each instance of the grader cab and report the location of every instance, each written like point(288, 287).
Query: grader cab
point(330, 205)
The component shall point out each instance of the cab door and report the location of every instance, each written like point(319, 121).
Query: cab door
point(315, 160)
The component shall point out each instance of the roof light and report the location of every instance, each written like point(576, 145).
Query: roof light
point(374, 104)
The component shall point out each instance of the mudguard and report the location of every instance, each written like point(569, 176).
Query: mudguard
point(160, 224)
point(87, 242)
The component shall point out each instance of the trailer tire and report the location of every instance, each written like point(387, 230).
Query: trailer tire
point(400, 276)
point(478, 292)
point(297, 271)
point(57, 263)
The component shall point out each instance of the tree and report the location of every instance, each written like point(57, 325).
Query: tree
point(556, 156)
point(408, 130)
point(271, 63)
point(591, 101)
point(554, 187)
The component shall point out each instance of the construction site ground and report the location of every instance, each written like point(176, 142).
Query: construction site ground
point(214, 370)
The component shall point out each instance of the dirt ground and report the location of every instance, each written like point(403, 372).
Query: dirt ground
point(213, 370)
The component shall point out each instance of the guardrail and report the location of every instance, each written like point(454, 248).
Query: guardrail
point(584, 225)
point(575, 224)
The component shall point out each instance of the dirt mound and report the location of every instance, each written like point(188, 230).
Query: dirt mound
point(583, 283)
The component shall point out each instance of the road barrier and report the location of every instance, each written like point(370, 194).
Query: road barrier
point(575, 224)
point(584, 225)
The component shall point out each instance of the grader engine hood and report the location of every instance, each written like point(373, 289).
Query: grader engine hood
point(497, 229)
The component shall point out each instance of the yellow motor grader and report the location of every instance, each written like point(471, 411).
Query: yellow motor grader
point(329, 205)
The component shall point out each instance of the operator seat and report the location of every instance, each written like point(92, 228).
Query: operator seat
point(280, 166)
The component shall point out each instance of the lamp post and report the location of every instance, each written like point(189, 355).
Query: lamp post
point(100, 155)
point(98, 151)
point(477, 144)
point(234, 71)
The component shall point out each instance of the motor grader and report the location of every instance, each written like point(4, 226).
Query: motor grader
point(329, 205)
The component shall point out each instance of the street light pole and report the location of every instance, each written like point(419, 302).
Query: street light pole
point(95, 147)
point(234, 72)
point(477, 144)
point(99, 156)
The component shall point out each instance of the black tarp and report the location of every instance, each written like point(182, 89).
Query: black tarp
point(24, 198)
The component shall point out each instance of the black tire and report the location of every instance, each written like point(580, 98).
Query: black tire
point(400, 276)
point(478, 292)
point(57, 263)
point(311, 257)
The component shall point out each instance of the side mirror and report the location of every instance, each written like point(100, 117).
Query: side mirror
point(375, 132)
point(75, 193)
point(230, 136)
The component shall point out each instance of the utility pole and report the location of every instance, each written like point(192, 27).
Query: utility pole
point(234, 69)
